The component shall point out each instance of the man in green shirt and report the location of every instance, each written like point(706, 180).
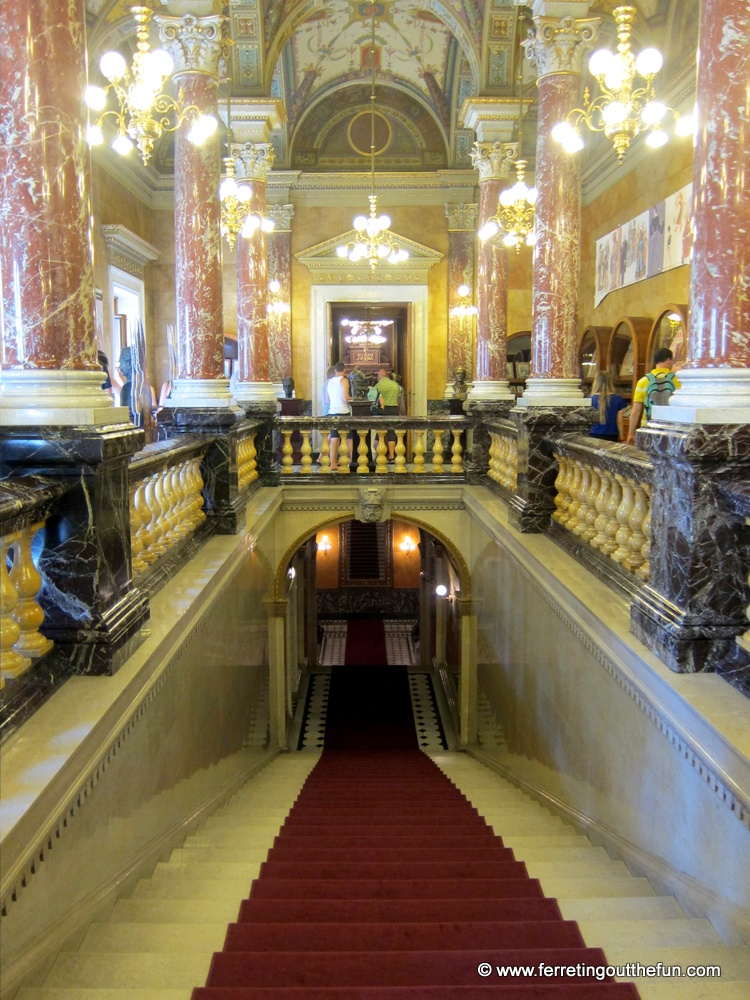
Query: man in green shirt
point(388, 394)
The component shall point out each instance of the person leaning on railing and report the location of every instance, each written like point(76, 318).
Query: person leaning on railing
point(389, 394)
point(610, 406)
point(653, 389)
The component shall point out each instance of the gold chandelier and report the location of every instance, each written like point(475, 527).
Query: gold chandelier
point(144, 113)
point(366, 331)
point(514, 218)
point(626, 105)
point(373, 242)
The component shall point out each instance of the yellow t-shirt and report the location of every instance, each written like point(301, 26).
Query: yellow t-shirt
point(639, 396)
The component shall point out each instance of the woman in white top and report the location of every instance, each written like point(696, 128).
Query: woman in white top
point(339, 405)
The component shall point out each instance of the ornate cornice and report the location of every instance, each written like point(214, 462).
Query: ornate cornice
point(559, 44)
point(492, 160)
point(127, 251)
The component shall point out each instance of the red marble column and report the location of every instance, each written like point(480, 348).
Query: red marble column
point(254, 160)
point(716, 377)
point(492, 160)
point(557, 51)
point(195, 44)
point(279, 247)
point(49, 369)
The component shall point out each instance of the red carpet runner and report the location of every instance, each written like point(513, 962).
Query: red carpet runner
point(385, 884)
point(365, 642)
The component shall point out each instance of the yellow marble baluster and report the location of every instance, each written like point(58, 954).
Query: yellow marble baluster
point(635, 521)
point(343, 465)
point(158, 546)
point(363, 452)
point(514, 464)
point(644, 569)
point(583, 493)
point(380, 452)
point(252, 457)
point(137, 562)
point(593, 492)
point(198, 501)
point(306, 451)
point(147, 553)
point(622, 536)
point(601, 503)
point(243, 471)
point(400, 463)
point(167, 537)
point(12, 662)
point(575, 503)
point(457, 451)
point(419, 450)
point(324, 458)
point(183, 522)
point(437, 451)
point(287, 462)
point(560, 499)
point(492, 457)
point(27, 582)
point(615, 499)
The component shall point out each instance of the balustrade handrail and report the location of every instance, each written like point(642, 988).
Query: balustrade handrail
point(160, 454)
point(616, 457)
point(374, 420)
point(501, 426)
point(27, 500)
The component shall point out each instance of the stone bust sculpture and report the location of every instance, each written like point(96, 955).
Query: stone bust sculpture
point(358, 383)
point(287, 384)
point(459, 384)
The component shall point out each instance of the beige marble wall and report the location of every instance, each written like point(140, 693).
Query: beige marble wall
point(597, 723)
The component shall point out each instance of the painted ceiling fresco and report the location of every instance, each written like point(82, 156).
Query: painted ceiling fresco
point(429, 56)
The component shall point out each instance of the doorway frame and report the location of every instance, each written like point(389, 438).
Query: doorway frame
point(414, 297)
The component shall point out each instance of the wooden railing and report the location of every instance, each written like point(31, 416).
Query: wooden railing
point(603, 497)
point(166, 499)
point(25, 505)
point(432, 446)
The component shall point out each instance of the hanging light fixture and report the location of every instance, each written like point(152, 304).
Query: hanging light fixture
point(276, 305)
point(373, 242)
point(234, 196)
point(365, 331)
point(514, 218)
point(626, 105)
point(144, 113)
point(464, 307)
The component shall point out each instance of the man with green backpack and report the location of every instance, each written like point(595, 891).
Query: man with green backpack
point(652, 390)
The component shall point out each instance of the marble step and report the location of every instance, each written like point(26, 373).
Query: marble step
point(78, 993)
point(734, 962)
point(203, 871)
point(174, 911)
point(562, 887)
point(683, 932)
point(149, 937)
point(131, 970)
point(622, 908)
point(181, 887)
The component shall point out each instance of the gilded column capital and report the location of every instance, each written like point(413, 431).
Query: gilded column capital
point(254, 159)
point(492, 160)
point(559, 44)
point(195, 43)
point(461, 218)
point(282, 217)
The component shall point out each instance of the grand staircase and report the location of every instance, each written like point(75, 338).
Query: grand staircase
point(351, 897)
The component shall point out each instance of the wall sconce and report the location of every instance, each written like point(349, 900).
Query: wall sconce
point(407, 545)
point(324, 545)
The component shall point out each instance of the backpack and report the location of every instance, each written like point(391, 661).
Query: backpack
point(660, 387)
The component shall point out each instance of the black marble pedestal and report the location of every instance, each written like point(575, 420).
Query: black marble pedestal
point(92, 610)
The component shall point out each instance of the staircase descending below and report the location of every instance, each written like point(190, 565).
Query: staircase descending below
point(384, 882)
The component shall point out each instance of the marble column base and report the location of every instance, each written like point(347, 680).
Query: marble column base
point(709, 396)
point(260, 392)
point(490, 390)
point(200, 393)
point(552, 392)
point(534, 501)
point(41, 398)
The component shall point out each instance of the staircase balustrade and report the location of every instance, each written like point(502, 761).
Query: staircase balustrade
point(603, 498)
point(503, 454)
point(424, 446)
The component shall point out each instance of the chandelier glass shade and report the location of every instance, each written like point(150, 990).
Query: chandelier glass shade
point(365, 331)
point(234, 198)
point(626, 104)
point(464, 307)
point(373, 242)
point(143, 113)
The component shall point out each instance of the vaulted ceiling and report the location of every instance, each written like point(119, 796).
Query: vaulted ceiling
point(429, 56)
